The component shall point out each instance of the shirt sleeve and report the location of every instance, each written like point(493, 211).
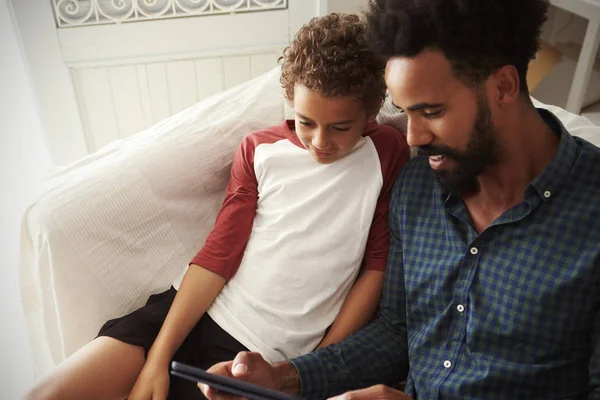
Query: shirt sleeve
point(393, 153)
point(224, 247)
point(594, 366)
point(377, 353)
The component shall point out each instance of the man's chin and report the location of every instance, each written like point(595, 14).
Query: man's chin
point(453, 181)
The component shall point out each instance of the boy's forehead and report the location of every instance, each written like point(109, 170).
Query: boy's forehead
point(312, 104)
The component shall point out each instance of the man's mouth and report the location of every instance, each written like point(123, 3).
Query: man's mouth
point(437, 157)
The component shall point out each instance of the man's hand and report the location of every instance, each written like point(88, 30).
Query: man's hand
point(252, 368)
point(377, 392)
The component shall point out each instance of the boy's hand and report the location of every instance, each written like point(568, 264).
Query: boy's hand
point(252, 368)
point(377, 392)
point(152, 384)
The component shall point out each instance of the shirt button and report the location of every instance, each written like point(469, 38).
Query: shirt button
point(447, 364)
point(474, 250)
point(547, 194)
point(460, 308)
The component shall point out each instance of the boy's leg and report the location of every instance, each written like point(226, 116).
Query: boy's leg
point(105, 368)
point(108, 367)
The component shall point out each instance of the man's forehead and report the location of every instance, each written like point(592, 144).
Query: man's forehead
point(426, 77)
point(428, 65)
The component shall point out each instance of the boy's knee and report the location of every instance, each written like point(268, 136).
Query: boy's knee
point(39, 392)
point(44, 390)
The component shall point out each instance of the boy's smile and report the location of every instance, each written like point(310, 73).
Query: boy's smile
point(329, 127)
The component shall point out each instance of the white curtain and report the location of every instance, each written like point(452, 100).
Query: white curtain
point(24, 161)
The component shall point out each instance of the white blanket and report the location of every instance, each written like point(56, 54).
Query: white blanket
point(122, 223)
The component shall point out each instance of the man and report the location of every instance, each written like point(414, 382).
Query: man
point(492, 289)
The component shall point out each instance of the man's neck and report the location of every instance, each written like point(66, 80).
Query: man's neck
point(526, 146)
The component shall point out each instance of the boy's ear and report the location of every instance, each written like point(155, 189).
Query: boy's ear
point(373, 114)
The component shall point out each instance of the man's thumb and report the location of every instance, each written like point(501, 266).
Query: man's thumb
point(240, 364)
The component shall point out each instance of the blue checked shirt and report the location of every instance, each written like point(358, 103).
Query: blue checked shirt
point(511, 313)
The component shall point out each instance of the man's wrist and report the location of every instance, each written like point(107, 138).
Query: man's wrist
point(287, 378)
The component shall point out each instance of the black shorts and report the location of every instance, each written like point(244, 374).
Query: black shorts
point(206, 345)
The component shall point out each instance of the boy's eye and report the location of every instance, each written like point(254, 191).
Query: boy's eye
point(306, 123)
point(341, 128)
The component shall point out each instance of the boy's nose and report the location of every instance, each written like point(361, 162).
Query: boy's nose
point(320, 139)
point(417, 135)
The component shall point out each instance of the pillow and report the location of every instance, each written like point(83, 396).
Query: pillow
point(122, 223)
point(575, 124)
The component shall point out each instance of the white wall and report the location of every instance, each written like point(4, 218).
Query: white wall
point(347, 6)
point(23, 162)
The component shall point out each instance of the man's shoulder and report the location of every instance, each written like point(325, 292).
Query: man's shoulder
point(585, 173)
point(588, 148)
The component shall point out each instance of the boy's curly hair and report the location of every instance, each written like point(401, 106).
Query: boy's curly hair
point(331, 56)
point(476, 36)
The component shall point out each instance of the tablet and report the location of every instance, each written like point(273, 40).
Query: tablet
point(227, 385)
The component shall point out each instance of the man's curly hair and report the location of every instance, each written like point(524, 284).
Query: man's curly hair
point(476, 36)
point(331, 56)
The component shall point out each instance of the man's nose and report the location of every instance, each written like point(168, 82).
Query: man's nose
point(416, 134)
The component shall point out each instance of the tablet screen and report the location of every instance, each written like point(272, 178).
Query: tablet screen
point(227, 385)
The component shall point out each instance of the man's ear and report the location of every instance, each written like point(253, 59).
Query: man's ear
point(506, 85)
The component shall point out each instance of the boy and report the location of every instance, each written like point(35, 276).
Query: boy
point(306, 206)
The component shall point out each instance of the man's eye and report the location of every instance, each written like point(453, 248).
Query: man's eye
point(432, 114)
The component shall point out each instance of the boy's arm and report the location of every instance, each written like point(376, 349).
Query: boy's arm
point(198, 290)
point(358, 308)
point(208, 272)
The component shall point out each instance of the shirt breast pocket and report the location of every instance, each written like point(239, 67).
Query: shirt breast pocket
point(533, 313)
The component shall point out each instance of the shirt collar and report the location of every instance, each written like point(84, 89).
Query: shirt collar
point(548, 183)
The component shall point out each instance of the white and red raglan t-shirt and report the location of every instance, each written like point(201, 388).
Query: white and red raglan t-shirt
point(292, 235)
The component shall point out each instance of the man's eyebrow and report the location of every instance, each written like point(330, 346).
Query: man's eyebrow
point(422, 106)
point(344, 122)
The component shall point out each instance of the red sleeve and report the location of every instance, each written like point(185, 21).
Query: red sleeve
point(393, 154)
point(224, 247)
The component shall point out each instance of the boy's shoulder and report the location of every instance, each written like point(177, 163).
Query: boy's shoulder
point(385, 133)
point(267, 135)
point(387, 139)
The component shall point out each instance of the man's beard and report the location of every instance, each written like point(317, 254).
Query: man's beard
point(482, 151)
